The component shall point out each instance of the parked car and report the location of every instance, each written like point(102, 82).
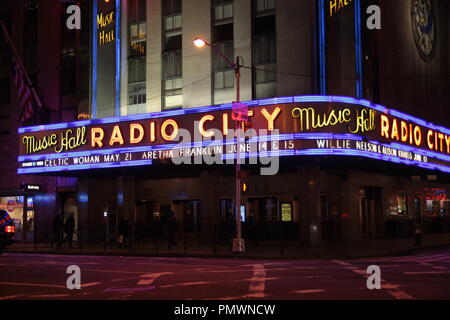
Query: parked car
point(7, 230)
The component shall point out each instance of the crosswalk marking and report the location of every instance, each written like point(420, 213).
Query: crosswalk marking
point(149, 278)
point(427, 272)
point(32, 284)
point(392, 289)
point(257, 282)
point(309, 291)
point(413, 259)
point(10, 297)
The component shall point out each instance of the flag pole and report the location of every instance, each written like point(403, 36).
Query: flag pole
point(19, 62)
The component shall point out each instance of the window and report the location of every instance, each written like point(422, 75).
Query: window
point(264, 62)
point(264, 6)
point(222, 38)
point(266, 209)
point(172, 79)
point(171, 7)
point(191, 216)
point(172, 67)
point(402, 204)
point(226, 210)
point(172, 33)
point(223, 11)
point(223, 73)
point(136, 10)
point(137, 41)
point(264, 49)
point(436, 202)
point(136, 85)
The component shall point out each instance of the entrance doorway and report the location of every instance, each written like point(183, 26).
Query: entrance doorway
point(191, 215)
point(264, 209)
point(370, 211)
point(69, 208)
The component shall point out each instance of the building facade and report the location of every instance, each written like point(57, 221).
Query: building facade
point(355, 159)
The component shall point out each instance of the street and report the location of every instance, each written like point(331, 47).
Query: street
point(28, 276)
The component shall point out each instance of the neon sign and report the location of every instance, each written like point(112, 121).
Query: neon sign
point(308, 118)
point(338, 5)
point(103, 22)
point(413, 134)
point(68, 140)
point(305, 125)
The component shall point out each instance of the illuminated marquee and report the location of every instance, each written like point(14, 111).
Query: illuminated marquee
point(306, 125)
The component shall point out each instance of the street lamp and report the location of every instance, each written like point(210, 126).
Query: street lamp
point(238, 242)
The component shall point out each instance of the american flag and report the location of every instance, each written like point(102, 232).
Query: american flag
point(25, 92)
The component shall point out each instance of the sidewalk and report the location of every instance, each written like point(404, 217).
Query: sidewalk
point(274, 250)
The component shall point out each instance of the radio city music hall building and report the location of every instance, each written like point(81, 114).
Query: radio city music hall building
point(355, 122)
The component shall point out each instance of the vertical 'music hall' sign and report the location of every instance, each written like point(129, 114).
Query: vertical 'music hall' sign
point(105, 58)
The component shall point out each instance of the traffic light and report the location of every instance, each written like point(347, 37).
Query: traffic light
point(244, 186)
point(243, 175)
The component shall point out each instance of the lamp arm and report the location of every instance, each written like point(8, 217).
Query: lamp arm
point(228, 61)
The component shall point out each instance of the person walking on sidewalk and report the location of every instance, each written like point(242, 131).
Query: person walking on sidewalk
point(171, 229)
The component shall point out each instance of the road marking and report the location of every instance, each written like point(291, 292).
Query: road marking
point(120, 289)
point(393, 289)
point(188, 284)
point(33, 284)
point(10, 297)
point(309, 291)
point(433, 258)
point(440, 267)
point(233, 270)
point(90, 284)
point(433, 266)
point(211, 282)
point(149, 278)
point(426, 257)
point(114, 271)
point(342, 263)
point(257, 284)
point(49, 295)
point(427, 272)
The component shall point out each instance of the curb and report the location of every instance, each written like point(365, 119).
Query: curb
point(337, 255)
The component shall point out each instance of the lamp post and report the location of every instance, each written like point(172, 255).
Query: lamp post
point(238, 242)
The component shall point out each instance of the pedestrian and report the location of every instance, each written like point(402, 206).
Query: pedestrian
point(122, 233)
point(171, 229)
point(57, 231)
point(69, 228)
